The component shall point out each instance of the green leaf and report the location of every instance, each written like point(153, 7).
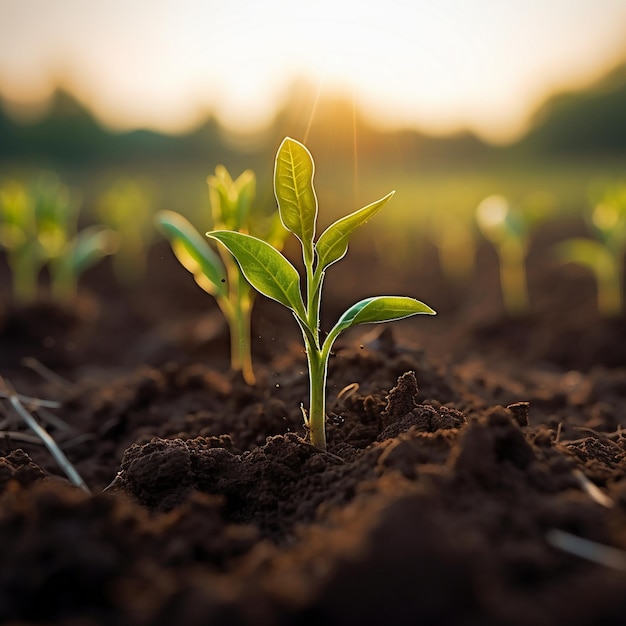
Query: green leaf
point(90, 245)
point(380, 309)
point(586, 252)
point(245, 189)
point(193, 252)
point(265, 268)
point(333, 242)
point(293, 186)
point(223, 208)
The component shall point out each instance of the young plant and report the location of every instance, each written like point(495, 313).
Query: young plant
point(18, 239)
point(454, 234)
point(509, 232)
point(217, 273)
point(270, 273)
point(39, 228)
point(67, 251)
point(126, 207)
point(603, 255)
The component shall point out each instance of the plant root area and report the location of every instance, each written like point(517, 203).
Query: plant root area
point(475, 472)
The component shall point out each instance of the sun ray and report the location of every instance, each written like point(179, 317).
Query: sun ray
point(313, 110)
point(355, 148)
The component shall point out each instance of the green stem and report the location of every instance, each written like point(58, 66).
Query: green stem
point(24, 275)
point(514, 281)
point(240, 337)
point(609, 290)
point(312, 303)
point(237, 309)
point(63, 283)
point(318, 368)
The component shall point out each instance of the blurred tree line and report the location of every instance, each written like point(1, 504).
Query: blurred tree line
point(581, 123)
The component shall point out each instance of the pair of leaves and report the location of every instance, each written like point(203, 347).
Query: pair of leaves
point(231, 199)
point(270, 273)
point(297, 206)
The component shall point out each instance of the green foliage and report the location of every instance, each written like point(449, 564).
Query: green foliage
point(270, 273)
point(127, 207)
point(604, 254)
point(509, 229)
point(453, 231)
point(216, 272)
point(39, 228)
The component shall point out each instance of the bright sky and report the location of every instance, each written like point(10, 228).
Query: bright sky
point(482, 64)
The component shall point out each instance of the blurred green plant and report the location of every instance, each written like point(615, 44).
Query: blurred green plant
point(509, 233)
point(127, 207)
point(604, 254)
point(217, 272)
point(18, 239)
point(509, 229)
point(270, 273)
point(39, 228)
point(453, 233)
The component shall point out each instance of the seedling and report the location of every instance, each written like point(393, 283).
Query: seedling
point(217, 273)
point(39, 228)
point(18, 239)
point(509, 232)
point(270, 273)
point(604, 255)
point(454, 235)
point(126, 207)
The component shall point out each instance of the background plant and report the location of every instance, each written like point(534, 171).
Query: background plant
point(509, 229)
point(454, 234)
point(127, 207)
point(270, 273)
point(604, 254)
point(217, 272)
point(18, 239)
point(39, 228)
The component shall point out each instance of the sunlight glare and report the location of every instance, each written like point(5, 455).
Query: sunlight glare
point(439, 66)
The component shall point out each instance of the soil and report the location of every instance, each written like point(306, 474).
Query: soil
point(467, 453)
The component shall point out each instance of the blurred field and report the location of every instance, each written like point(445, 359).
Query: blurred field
point(429, 201)
point(576, 148)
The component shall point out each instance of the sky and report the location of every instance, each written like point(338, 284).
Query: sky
point(438, 66)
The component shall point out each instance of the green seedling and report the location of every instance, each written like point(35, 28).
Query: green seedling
point(126, 207)
point(603, 255)
point(453, 233)
point(270, 273)
point(509, 232)
point(18, 239)
point(67, 251)
point(217, 272)
point(40, 229)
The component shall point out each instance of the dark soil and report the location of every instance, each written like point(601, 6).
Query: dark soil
point(458, 447)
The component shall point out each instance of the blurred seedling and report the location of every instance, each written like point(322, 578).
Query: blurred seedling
point(509, 229)
point(216, 271)
point(604, 254)
point(270, 273)
point(39, 228)
point(453, 233)
point(18, 239)
point(127, 208)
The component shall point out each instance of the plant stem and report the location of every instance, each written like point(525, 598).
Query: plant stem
point(24, 278)
point(513, 280)
point(609, 290)
point(318, 368)
point(237, 309)
point(240, 339)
